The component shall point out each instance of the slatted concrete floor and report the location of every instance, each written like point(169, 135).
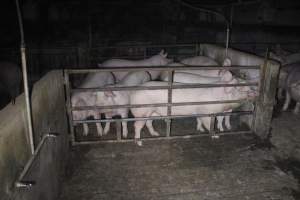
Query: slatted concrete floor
point(230, 168)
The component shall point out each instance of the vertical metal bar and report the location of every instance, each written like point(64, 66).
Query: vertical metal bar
point(25, 80)
point(196, 50)
point(170, 80)
point(227, 40)
point(119, 130)
point(212, 127)
point(69, 105)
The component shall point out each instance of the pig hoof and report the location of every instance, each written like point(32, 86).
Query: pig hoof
point(201, 129)
point(139, 142)
point(295, 112)
point(106, 132)
point(100, 134)
point(125, 135)
point(215, 136)
point(154, 133)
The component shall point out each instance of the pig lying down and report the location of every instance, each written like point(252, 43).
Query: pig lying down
point(156, 60)
point(185, 95)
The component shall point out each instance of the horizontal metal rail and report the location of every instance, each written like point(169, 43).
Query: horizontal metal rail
point(168, 105)
point(78, 108)
point(158, 68)
point(173, 86)
point(188, 136)
point(162, 117)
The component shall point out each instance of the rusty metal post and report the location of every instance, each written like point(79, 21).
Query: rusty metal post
point(69, 106)
point(169, 112)
point(266, 100)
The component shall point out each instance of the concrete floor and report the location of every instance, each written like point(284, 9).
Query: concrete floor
point(232, 167)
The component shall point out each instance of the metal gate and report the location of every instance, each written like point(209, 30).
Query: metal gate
point(168, 118)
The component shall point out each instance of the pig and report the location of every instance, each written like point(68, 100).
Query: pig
point(292, 87)
point(182, 77)
point(183, 95)
point(92, 80)
point(10, 80)
point(156, 60)
point(200, 61)
point(204, 61)
point(108, 98)
point(285, 59)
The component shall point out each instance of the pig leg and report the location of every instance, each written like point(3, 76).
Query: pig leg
point(296, 110)
point(199, 125)
point(98, 124)
point(206, 122)
point(124, 124)
point(220, 123)
point(287, 101)
point(85, 129)
point(227, 120)
point(138, 125)
point(151, 129)
point(107, 124)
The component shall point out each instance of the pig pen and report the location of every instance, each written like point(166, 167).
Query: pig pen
point(231, 167)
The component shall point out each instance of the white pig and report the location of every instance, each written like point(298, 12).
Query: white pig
point(183, 95)
point(292, 87)
point(156, 60)
point(108, 98)
point(181, 77)
point(92, 80)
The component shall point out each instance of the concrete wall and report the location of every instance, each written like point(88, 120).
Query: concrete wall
point(49, 114)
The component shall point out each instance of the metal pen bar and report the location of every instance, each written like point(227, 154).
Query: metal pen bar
point(156, 68)
point(69, 106)
point(162, 117)
point(177, 86)
point(170, 82)
point(20, 182)
point(157, 105)
point(188, 136)
point(212, 125)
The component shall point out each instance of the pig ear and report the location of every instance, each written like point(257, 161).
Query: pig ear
point(162, 52)
point(226, 75)
point(109, 93)
point(226, 62)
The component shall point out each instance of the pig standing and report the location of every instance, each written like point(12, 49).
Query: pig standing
point(292, 87)
point(10, 80)
point(92, 80)
point(156, 60)
point(183, 95)
point(108, 98)
point(196, 76)
point(200, 61)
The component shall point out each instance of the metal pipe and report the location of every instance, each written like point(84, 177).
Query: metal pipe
point(25, 80)
point(78, 108)
point(161, 117)
point(183, 86)
point(158, 68)
point(188, 136)
point(169, 107)
point(20, 182)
